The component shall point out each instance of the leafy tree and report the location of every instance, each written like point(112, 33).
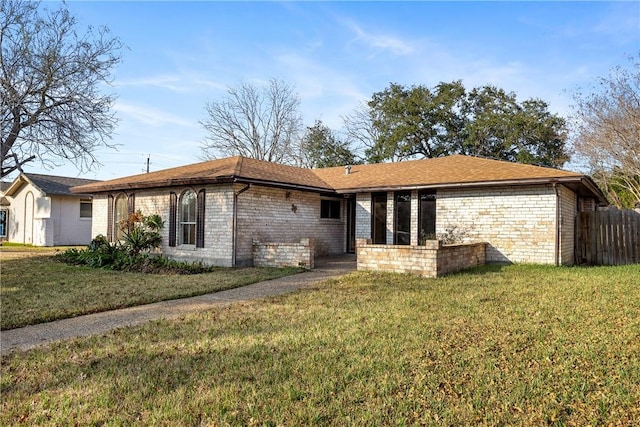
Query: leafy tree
point(607, 125)
point(51, 108)
point(497, 126)
point(322, 149)
point(257, 122)
point(415, 121)
point(422, 122)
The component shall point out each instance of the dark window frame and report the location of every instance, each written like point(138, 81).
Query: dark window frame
point(379, 230)
point(426, 231)
point(400, 235)
point(330, 209)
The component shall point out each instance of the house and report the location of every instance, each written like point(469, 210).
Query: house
point(218, 211)
point(41, 210)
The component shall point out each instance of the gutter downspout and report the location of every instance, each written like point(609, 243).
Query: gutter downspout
point(234, 226)
point(558, 224)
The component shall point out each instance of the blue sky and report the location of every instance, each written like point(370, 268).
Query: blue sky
point(337, 54)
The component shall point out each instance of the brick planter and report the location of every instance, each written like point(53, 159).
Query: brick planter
point(284, 254)
point(431, 260)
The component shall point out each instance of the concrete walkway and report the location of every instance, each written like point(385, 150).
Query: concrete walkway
point(92, 324)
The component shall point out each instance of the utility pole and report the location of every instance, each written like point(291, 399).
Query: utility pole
point(148, 159)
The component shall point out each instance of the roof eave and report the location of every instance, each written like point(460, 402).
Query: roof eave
point(186, 182)
point(178, 182)
point(287, 185)
point(471, 184)
point(18, 182)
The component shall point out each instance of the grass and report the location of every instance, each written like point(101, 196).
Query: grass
point(37, 289)
point(517, 345)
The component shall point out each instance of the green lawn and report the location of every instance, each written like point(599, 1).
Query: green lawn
point(517, 345)
point(37, 289)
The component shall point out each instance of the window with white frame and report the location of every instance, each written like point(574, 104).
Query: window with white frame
point(86, 209)
point(121, 214)
point(187, 218)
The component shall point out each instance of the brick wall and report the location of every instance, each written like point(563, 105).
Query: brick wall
point(263, 213)
point(431, 260)
point(518, 223)
point(277, 215)
point(568, 212)
point(363, 215)
point(284, 254)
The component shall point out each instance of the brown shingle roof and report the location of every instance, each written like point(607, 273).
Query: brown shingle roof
point(441, 171)
point(216, 171)
point(456, 170)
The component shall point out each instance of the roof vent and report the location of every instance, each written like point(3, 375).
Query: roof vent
point(347, 170)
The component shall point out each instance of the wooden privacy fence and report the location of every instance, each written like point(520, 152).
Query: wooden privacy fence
point(608, 237)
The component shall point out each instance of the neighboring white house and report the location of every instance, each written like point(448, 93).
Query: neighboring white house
point(42, 211)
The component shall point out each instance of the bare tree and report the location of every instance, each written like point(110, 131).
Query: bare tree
point(607, 122)
point(257, 122)
point(360, 130)
point(51, 107)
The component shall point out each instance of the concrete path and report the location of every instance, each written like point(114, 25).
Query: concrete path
point(98, 323)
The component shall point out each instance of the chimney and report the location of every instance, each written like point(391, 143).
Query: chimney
point(347, 170)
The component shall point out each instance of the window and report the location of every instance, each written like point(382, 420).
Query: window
point(330, 209)
point(379, 218)
point(121, 209)
point(4, 216)
point(426, 216)
point(187, 218)
point(402, 235)
point(86, 208)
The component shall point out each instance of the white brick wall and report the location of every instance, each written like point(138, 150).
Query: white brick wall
point(263, 213)
point(218, 224)
point(363, 216)
point(517, 222)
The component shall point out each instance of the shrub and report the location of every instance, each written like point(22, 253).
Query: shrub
point(141, 233)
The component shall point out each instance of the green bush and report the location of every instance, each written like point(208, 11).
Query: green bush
point(100, 253)
point(141, 234)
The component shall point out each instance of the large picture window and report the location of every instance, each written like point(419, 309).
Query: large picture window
point(187, 218)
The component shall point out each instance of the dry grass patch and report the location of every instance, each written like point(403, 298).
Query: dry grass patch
point(519, 345)
point(40, 289)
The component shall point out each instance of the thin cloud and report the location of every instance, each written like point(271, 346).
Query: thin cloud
point(380, 42)
point(151, 116)
point(170, 82)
